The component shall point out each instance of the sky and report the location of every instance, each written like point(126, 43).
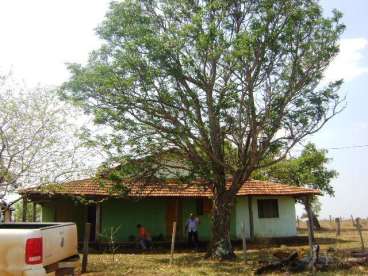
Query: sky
point(38, 37)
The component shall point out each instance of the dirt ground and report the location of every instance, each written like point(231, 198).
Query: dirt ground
point(193, 263)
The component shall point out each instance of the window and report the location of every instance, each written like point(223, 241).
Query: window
point(268, 208)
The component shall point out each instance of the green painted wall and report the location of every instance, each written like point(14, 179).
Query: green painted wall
point(79, 216)
point(283, 226)
point(71, 210)
point(205, 228)
point(48, 212)
point(241, 217)
point(233, 224)
point(126, 214)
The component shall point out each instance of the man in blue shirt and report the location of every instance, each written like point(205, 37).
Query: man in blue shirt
point(192, 227)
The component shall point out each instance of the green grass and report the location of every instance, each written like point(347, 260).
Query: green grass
point(191, 263)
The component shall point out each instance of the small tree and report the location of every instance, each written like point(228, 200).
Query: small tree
point(307, 170)
point(109, 236)
point(196, 76)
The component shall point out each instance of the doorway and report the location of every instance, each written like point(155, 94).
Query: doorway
point(174, 213)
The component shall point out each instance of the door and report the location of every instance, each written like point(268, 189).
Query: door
point(63, 213)
point(174, 213)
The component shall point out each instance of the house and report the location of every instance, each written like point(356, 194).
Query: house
point(267, 209)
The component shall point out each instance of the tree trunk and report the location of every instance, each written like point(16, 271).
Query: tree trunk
point(311, 240)
point(220, 246)
point(316, 223)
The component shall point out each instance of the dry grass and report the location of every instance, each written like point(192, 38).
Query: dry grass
point(191, 263)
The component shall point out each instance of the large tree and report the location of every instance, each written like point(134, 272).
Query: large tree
point(37, 138)
point(197, 76)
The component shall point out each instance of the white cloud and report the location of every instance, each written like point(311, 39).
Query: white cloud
point(349, 63)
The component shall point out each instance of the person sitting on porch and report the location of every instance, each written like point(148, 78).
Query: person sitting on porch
point(144, 237)
point(192, 227)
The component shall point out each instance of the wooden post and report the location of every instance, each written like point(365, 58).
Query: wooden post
point(173, 242)
point(24, 212)
point(352, 220)
point(338, 226)
point(98, 222)
point(87, 232)
point(358, 226)
point(7, 215)
point(251, 224)
point(244, 242)
point(178, 219)
point(34, 213)
point(310, 224)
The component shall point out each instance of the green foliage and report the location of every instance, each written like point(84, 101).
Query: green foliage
point(316, 206)
point(18, 212)
point(193, 76)
point(307, 170)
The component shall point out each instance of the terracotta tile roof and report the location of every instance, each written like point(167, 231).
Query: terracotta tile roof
point(91, 187)
point(257, 187)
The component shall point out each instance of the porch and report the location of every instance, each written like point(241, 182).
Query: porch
point(122, 215)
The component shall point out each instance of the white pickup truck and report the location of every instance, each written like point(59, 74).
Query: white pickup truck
point(37, 249)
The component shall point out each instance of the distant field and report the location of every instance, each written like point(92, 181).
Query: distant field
point(194, 263)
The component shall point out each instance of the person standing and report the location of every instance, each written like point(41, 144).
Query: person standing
point(191, 227)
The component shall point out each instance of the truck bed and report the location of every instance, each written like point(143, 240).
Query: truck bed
point(58, 242)
point(29, 225)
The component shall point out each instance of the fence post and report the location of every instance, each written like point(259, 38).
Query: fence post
point(358, 226)
point(173, 242)
point(338, 226)
point(87, 232)
point(352, 220)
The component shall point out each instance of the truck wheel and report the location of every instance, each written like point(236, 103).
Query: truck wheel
point(65, 272)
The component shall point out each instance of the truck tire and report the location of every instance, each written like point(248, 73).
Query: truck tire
point(65, 272)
